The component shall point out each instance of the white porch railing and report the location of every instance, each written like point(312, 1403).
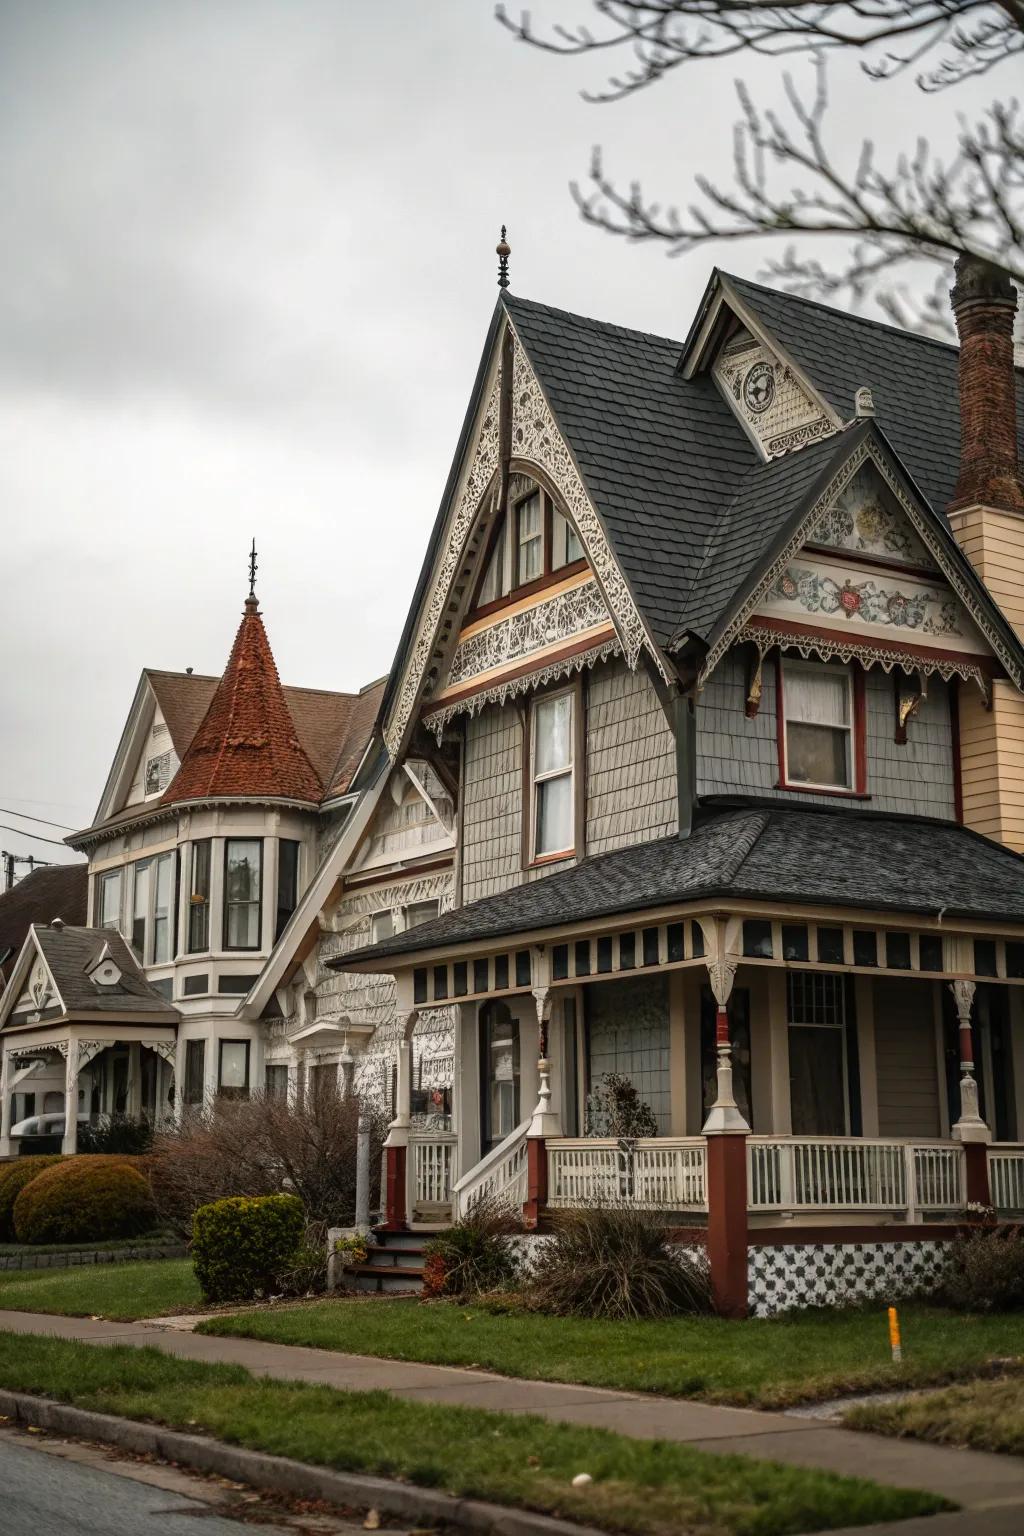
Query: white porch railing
point(501, 1175)
point(662, 1174)
point(431, 1165)
point(853, 1174)
point(1006, 1178)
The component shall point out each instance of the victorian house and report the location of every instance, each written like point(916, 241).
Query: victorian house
point(720, 640)
point(232, 808)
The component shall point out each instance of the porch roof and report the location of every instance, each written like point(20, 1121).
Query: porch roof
point(762, 851)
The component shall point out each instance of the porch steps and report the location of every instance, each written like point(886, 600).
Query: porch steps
point(394, 1262)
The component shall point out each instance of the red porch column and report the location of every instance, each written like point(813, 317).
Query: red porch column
point(970, 1129)
point(396, 1144)
point(726, 1133)
point(544, 1123)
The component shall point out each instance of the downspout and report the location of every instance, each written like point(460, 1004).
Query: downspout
point(678, 701)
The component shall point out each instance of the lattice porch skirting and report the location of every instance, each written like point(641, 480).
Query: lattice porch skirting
point(790, 1276)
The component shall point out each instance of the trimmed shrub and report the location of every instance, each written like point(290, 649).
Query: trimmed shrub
point(243, 1246)
point(13, 1178)
point(84, 1199)
point(986, 1271)
point(475, 1254)
point(117, 1134)
point(611, 1261)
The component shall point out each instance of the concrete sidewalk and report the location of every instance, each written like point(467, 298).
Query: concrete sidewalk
point(975, 1480)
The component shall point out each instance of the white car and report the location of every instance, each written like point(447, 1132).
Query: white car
point(44, 1125)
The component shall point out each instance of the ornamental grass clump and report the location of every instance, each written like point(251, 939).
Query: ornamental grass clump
point(614, 1262)
point(474, 1255)
point(985, 1271)
point(246, 1246)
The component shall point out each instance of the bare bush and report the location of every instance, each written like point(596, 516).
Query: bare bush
point(263, 1146)
point(614, 1261)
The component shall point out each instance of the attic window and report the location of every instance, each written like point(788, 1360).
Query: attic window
point(533, 547)
point(158, 773)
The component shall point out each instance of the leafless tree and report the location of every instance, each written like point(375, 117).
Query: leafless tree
point(910, 205)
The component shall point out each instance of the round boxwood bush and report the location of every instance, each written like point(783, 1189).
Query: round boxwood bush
point(13, 1178)
point(243, 1246)
point(84, 1199)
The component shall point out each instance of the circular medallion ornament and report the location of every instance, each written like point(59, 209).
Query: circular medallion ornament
point(759, 388)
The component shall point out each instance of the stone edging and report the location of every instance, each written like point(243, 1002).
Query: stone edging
point(279, 1474)
point(73, 1257)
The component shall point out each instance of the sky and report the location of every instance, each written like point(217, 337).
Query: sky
point(246, 274)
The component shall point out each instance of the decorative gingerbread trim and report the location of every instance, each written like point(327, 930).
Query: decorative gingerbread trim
point(926, 533)
point(512, 687)
point(767, 637)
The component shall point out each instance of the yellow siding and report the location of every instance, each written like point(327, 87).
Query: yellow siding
point(992, 763)
point(993, 541)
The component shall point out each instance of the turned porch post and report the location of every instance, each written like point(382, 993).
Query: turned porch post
point(6, 1074)
point(970, 1129)
point(69, 1146)
point(396, 1144)
point(726, 1133)
point(545, 1121)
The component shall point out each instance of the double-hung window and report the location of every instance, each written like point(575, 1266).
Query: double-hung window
point(243, 882)
point(819, 1092)
point(552, 745)
point(152, 905)
point(818, 726)
point(287, 883)
point(566, 548)
point(108, 900)
point(233, 1069)
point(529, 539)
point(199, 898)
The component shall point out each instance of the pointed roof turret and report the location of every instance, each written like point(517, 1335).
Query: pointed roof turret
point(247, 744)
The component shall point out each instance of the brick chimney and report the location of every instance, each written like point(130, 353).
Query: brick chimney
point(984, 305)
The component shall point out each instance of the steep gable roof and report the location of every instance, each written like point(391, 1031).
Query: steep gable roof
point(247, 743)
point(71, 952)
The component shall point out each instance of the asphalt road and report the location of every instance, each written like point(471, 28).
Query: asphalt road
point(48, 1494)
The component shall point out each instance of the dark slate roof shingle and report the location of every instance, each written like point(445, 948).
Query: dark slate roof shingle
point(758, 851)
point(57, 890)
point(69, 951)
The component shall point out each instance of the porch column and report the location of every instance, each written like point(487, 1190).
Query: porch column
point(545, 1121)
point(396, 1144)
point(6, 1074)
point(69, 1146)
point(133, 1108)
point(970, 1128)
point(726, 1135)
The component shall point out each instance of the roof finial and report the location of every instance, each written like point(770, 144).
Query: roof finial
point(252, 572)
point(504, 251)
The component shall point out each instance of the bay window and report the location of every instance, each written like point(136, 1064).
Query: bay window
point(817, 726)
point(152, 901)
point(243, 885)
point(108, 900)
point(552, 770)
point(199, 898)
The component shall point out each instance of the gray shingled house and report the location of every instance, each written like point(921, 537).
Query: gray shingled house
point(724, 638)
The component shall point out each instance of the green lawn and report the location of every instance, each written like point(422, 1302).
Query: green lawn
point(775, 1363)
point(645, 1488)
point(984, 1415)
point(139, 1288)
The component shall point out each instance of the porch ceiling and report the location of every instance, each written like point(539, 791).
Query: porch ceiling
point(755, 851)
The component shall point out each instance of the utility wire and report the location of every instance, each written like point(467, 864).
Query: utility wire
point(58, 842)
point(6, 810)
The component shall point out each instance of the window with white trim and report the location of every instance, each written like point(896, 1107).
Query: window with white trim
point(552, 769)
point(566, 548)
point(818, 725)
point(418, 912)
point(108, 902)
point(152, 905)
point(382, 925)
point(529, 539)
point(243, 891)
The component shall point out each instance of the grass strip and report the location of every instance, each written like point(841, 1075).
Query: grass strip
point(770, 1363)
point(144, 1288)
point(642, 1487)
point(984, 1415)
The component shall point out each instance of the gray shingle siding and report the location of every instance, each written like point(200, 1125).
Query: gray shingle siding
point(740, 756)
point(492, 813)
point(631, 767)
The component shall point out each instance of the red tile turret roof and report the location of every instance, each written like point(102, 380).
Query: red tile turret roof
point(247, 743)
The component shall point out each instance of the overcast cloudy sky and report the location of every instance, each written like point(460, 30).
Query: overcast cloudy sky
point(246, 272)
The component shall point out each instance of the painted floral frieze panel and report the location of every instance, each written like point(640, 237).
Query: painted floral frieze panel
point(901, 607)
point(865, 518)
point(562, 617)
point(767, 397)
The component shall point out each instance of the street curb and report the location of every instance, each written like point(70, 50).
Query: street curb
point(279, 1474)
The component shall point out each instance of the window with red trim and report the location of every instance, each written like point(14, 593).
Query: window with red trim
point(820, 727)
point(534, 546)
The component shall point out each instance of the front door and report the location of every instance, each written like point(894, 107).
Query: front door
point(499, 1071)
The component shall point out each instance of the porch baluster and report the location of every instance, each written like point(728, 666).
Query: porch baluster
point(970, 1129)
